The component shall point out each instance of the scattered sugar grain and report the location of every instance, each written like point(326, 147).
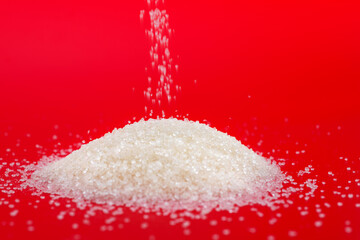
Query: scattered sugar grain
point(213, 223)
point(31, 228)
point(186, 224)
point(75, 226)
point(144, 225)
point(14, 213)
point(318, 223)
point(272, 221)
point(215, 237)
point(110, 220)
point(292, 233)
point(187, 232)
point(226, 232)
point(348, 229)
point(252, 230)
point(270, 237)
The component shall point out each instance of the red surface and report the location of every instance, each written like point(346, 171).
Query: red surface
point(75, 64)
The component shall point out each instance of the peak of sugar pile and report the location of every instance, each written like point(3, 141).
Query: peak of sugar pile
point(165, 164)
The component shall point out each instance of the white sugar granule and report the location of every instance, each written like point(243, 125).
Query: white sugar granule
point(166, 164)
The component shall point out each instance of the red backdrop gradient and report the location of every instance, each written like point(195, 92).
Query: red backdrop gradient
point(80, 65)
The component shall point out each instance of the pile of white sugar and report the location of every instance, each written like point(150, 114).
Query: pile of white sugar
point(165, 164)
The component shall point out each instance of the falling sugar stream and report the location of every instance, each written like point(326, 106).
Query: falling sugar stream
point(161, 91)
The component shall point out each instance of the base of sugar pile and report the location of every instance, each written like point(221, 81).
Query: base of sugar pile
point(164, 164)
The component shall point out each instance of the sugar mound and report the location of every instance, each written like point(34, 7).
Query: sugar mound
point(165, 164)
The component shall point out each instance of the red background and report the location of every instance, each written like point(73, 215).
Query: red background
point(75, 64)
